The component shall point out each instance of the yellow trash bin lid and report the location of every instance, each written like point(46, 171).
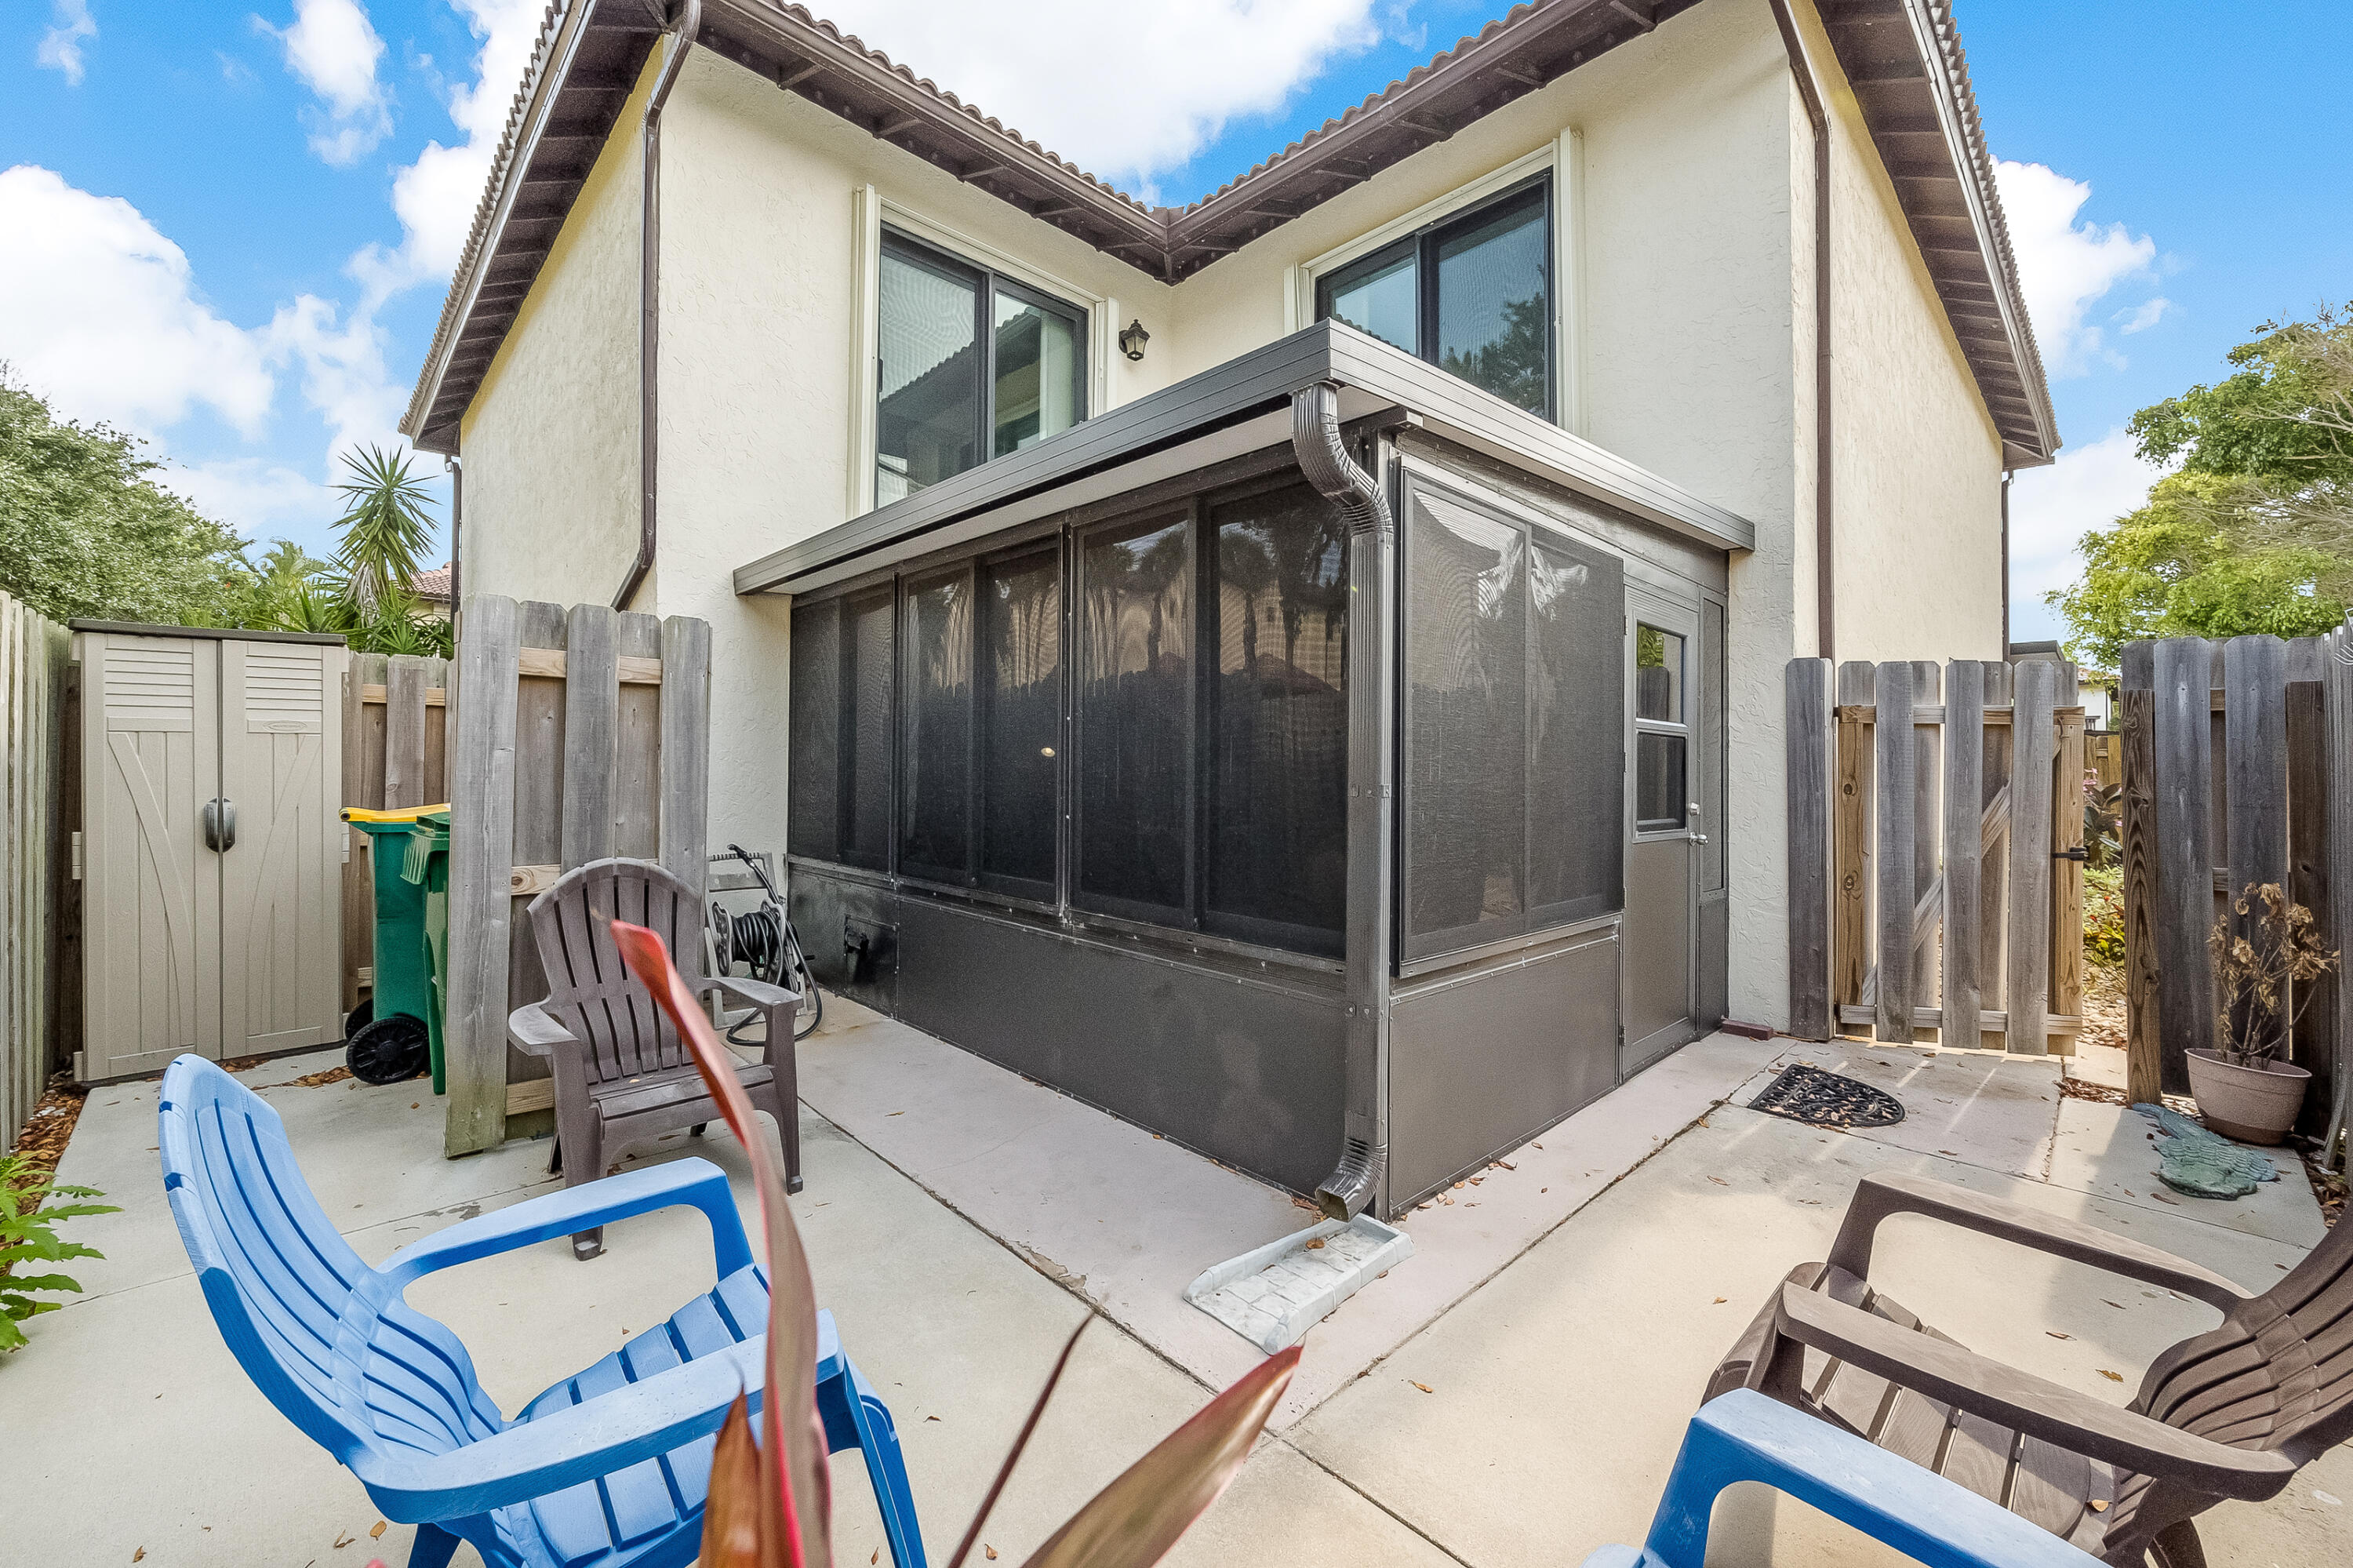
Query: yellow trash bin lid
point(405, 814)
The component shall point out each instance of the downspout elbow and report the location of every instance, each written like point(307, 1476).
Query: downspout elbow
point(1358, 1180)
point(681, 39)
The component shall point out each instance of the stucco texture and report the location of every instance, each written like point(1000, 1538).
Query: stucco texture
point(550, 444)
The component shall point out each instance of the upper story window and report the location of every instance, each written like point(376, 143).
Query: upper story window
point(972, 366)
point(1471, 294)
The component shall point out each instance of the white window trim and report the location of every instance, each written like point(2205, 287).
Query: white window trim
point(1565, 159)
point(869, 211)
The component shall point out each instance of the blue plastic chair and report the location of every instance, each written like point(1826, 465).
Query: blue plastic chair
point(1744, 1436)
point(607, 1467)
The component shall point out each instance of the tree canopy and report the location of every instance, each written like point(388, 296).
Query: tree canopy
point(2254, 531)
point(84, 532)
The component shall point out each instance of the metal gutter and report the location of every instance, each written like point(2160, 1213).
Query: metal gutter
point(1372, 375)
point(681, 39)
point(1825, 450)
point(1357, 1180)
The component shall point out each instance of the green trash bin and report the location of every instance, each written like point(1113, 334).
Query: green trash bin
point(398, 1039)
point(426, 865)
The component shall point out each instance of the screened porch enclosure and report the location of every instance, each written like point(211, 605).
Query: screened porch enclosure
point(1283, 819)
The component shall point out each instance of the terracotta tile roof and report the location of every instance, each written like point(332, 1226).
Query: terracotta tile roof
point(433, 587)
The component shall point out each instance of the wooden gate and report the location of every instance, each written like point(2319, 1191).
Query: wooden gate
point(2230, 753)
point(38, 766)
point(1935, 832)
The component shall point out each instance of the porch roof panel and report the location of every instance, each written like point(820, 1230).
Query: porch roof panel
point(1241, 406)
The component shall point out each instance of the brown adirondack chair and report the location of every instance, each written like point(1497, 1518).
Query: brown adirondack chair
point(2230, 1413)
point(622, 1074)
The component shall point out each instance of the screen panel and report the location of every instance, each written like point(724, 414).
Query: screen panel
point(1494, 321)
point(866, 682)
point(1021, 683)
point(1576, 720)
point(927, 415)
point(1276, 817)
point(935, 739)
point(1134, 755)
point(1466, 712)
point(815, 826)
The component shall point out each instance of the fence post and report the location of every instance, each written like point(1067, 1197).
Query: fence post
point(2309, 774)
point(2254, 733)
point(2337, 673)
point(686, 748)
point(1806, 696)
point(2032, 753)
point(1928, 836)
point(2067, 878)
point(2144, 1055)
point(2185, 855)
point(481, 848)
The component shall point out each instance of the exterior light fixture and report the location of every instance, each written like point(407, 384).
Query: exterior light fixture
point(1131, 339)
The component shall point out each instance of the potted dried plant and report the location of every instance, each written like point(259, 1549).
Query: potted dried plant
point(2263, 974)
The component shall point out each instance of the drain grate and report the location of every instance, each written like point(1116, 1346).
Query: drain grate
point(1827, 1100)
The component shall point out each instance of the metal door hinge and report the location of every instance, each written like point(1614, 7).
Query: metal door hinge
point(77, 855)
point(2074, 854)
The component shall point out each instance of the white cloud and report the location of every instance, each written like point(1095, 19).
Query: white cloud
point(2066, 267)
point(435, 196)
point(2145, 316)
point(334, 48)
point(343, 373)
point(2051, 508)
point(1123, 91)
point(61, 47)
point(249, 494)
point(103, 317)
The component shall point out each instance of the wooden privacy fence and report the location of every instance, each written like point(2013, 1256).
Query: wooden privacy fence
point(579, 734)
point(395, 719)
point(36, 771)
point(2230, 750)
point(1936, 840)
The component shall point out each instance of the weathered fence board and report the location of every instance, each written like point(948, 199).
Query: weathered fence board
point(1806, 687)
point(34, 655)
point(2310, 767)
point(1902, 819)
point(2183, 771)
point(395, 722)
point(581, 735)
point(2255, 696)
point(2144, 1076)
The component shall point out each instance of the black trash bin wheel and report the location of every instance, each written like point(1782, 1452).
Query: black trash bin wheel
point(359, 1018)
point(389, 1050)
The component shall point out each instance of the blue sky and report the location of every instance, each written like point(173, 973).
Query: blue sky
point(229, 229)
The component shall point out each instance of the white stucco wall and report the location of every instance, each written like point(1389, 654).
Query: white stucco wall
point(1696, 352)
point(550, 444)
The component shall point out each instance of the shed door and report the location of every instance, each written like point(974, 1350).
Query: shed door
point(281, 878)
point(150, 894)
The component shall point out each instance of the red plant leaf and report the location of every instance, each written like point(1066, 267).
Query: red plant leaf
point(795, 1496)
point(731, 1518)
point(1133, 1521)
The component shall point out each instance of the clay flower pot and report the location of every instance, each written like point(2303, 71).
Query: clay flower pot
point(2254, 1104)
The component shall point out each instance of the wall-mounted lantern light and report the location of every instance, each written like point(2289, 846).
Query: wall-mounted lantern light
point(1131, 339)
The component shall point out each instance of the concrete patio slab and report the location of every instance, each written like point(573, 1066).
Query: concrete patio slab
point(1982, 1107)
point(1564, 1384)
point(2111, 1151)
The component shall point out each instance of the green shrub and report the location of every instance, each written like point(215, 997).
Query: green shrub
point(2104, 914)
point(28, 1233)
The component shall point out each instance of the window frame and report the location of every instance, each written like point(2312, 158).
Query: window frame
point(1423, 242)
point(894, 243)
point(1647, 612)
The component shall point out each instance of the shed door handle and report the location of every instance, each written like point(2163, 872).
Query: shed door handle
point(220, 823)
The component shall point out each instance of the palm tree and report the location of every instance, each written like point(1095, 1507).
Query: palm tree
point(383, 528)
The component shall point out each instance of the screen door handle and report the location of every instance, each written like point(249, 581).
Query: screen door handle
point(220, 823)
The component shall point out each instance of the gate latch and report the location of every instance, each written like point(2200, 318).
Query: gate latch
point(2079, 854)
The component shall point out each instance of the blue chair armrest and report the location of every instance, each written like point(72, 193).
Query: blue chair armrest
point(595, 1437)
point(696, 1183)
point(1744, 1436)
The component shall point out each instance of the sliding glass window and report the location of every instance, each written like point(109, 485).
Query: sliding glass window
point(1020, 669)
point(1134, 757)
point(840, 729)
point(971, 365)
point(1473, 294)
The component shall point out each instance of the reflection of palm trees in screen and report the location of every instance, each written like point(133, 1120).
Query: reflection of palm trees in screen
point(1511, 366)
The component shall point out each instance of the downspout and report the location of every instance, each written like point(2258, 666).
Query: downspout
point(1357, 1180)
point(1810, 93)
point(681, 39)
point(455, 468)
point(2004, 655)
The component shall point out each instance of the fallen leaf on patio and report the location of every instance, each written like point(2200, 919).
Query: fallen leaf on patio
point(985, 1546)
point(1507, 1165)
point(1543, 1190)
point(1423, 1386)
point(377, 1533)
point(2057, 1335)
point(2111, 1377)
point(931, 1418)
point(1316, 1245)
point(1423, 1204)
point(898, 1113)
point(343, 1540)
point(2162, 1198)
point(414, 1104)
point(2118, 1305)
point(1718, 1301)
point(1719, 1181)
point(2098, 1507)
point(1457, 1184)
point(1474, 1180)
point(1535, 1146)
point(1954, 1152)
point(142, 1551)
point(876, 1556)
